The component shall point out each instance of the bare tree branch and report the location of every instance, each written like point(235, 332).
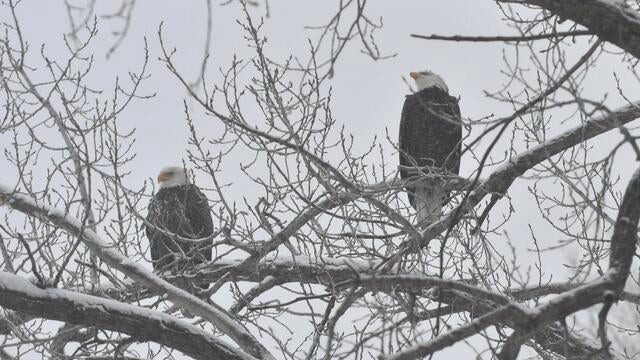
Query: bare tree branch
point(612, 21)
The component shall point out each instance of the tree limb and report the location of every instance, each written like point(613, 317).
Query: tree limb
point(143, 324)
point(613, 21)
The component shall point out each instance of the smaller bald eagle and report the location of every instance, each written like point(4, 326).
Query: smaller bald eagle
point(429, 141)
point(178, 208)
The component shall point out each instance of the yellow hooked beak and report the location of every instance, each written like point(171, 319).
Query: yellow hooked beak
point(163, 177)
point(414, 75)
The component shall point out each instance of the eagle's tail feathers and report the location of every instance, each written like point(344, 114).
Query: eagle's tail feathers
point(428, 203)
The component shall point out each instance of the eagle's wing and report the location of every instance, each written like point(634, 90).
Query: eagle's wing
point(452, 162)
point(201, 223)
point(155, 236)
point(405, 139)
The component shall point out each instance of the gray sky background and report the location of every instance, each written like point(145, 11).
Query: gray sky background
point(367, 95)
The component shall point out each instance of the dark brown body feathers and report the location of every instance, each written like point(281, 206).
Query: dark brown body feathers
point(430, 134)
point(182, 210)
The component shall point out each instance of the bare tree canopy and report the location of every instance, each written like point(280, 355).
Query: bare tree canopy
point(283, 121)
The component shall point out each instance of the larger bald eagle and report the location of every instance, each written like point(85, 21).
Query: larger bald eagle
point(430, 141)
point(178, 208)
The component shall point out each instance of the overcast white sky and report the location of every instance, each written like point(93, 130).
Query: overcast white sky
point(367, 95)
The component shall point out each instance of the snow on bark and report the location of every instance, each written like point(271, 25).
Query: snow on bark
point(612, 20)
point(57, 304)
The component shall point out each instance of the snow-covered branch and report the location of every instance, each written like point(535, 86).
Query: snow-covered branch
point(142, 324)
point(612, 20)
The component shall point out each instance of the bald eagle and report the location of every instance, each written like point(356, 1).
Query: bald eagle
point(178, 212)
point(430, 142)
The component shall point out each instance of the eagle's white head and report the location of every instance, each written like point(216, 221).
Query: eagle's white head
point(172, 176)
point(426, 79)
